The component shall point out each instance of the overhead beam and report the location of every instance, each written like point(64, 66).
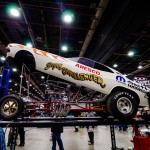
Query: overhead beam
point(28, 25)
point(97, 17)
point(140, 70)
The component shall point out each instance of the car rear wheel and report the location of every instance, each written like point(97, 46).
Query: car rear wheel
point(11, 107)
point(122, 105)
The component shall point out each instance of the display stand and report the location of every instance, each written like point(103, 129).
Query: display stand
point(13, 138)
point(47, 122)
point(113, 140)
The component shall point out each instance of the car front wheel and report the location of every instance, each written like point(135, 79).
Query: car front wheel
point(11, 107)
point(122, 105)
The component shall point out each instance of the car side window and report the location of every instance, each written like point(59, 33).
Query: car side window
point(86, 62)
point(102, 67)
point(75, 59)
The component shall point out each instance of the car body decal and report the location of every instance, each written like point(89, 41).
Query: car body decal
point(46, 54)
point(75, 75)
point(120, 79)
point(88, 69)
point(137, 87)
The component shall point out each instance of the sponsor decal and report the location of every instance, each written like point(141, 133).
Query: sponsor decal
point(144, 81)
point(137, 87)
point(123, 93)
point(88, 69)
point(120, 79)
point(46, 54)
point(75, 75)
point(20, 46)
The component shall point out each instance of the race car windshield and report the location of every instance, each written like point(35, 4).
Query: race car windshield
point(84, 61)
point(91, 63)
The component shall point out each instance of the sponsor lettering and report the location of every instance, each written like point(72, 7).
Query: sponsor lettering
point(144, 81)
point(75, 75)
point(137, 87)
point(88, 69)
point(120, 79)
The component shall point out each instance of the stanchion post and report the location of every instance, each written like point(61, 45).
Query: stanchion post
point(113, 140)
point(13, 138)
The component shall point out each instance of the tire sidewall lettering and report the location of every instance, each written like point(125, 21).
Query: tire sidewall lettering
point(123, 94)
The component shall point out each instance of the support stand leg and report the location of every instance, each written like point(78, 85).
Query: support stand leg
point(13, 138)
point(113, 140)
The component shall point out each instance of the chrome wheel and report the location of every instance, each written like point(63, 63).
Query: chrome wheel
point(9, 107)
point(124, 105)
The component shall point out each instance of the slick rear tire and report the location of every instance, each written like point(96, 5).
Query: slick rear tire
point(122, 105)
point(11, 107)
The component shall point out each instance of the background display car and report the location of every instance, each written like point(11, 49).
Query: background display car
point(122, 95)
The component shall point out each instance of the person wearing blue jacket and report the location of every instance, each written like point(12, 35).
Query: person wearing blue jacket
point(2, 140)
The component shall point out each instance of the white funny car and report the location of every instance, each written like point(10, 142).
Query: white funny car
point(123, 96)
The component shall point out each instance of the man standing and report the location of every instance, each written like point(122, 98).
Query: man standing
point(90, 130)
point(56, 136)
point(91, 135)
point(22, 136)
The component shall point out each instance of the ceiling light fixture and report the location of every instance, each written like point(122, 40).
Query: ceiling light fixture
point(64, 48)
point(14, 12)
point(3, 58)
point(14, 69)
point(140, 67)
point(29, 45)
point(130, 53)
point(115, 65)
point(67, 16)
point(42, 77)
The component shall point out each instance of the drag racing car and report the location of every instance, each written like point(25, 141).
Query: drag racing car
point(122, 96)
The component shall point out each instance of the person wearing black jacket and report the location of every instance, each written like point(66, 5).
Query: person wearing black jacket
point(21, 133)
point(56, 136)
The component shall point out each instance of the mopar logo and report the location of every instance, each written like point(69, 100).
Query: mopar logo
point(120, 79)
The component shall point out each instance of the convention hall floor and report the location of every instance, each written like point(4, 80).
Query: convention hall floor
point(39, 139)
